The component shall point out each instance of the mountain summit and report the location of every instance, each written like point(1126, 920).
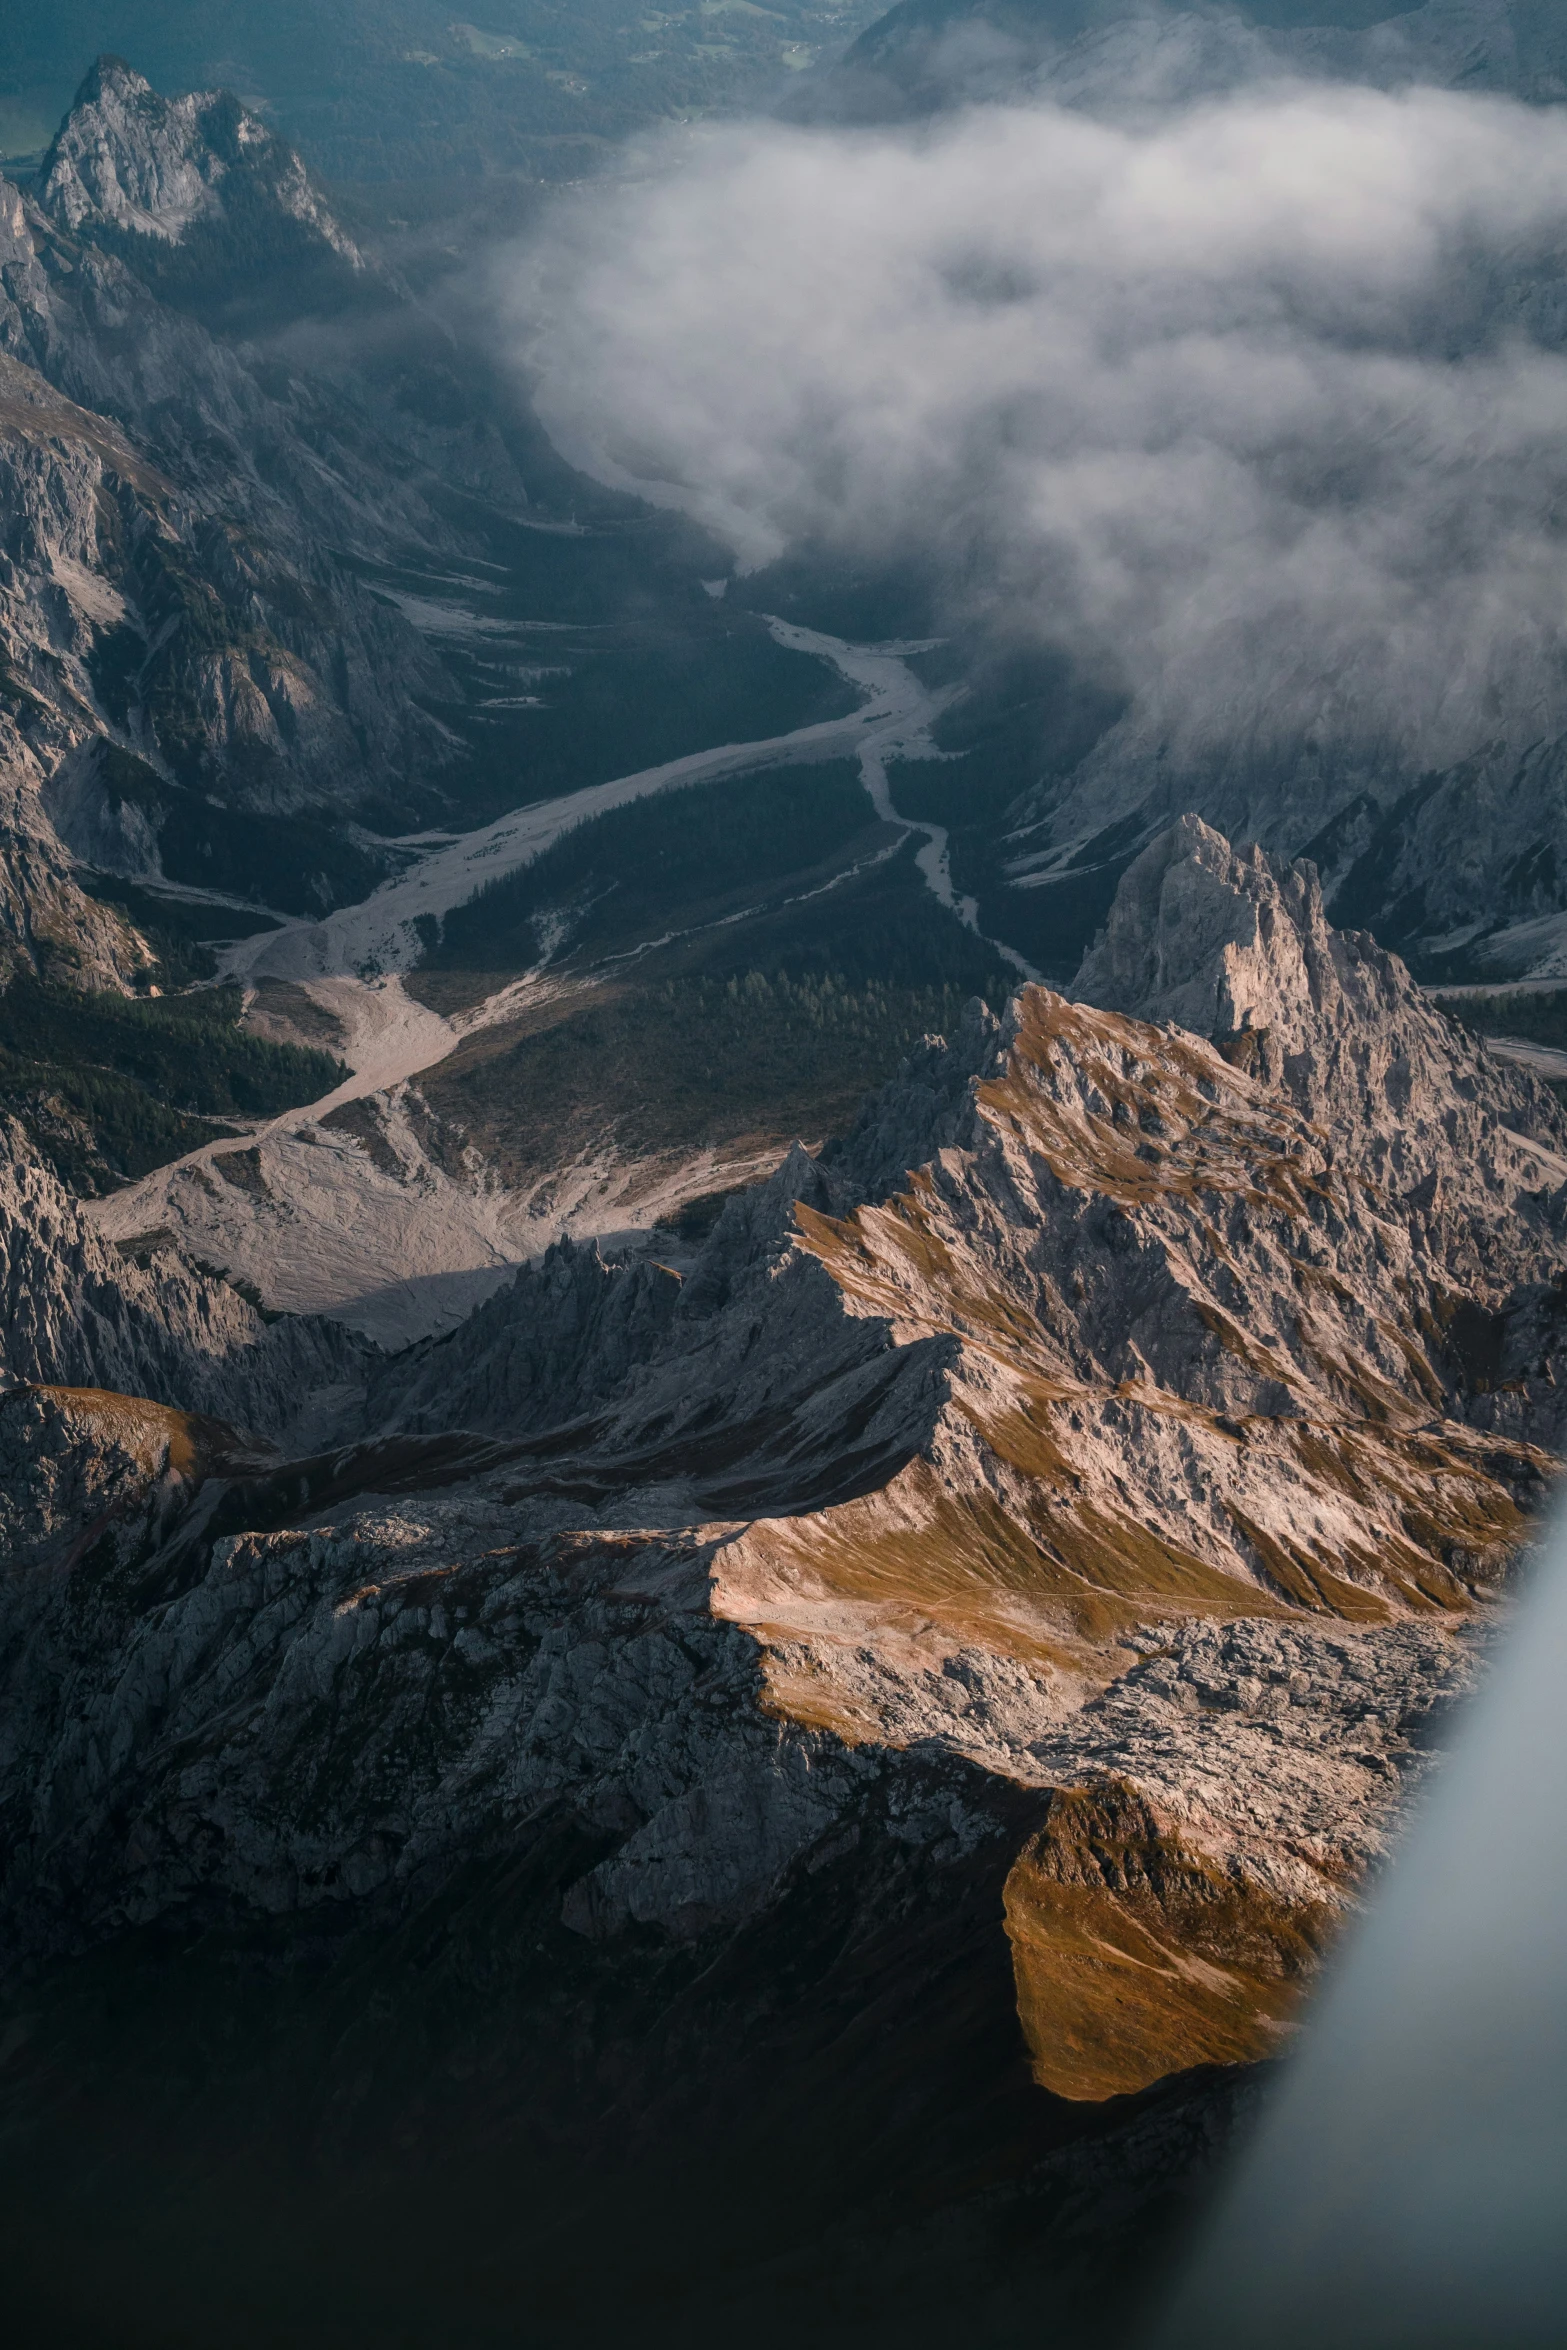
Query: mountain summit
point(127, 159)
point(1236, 945)
point(780, 1776)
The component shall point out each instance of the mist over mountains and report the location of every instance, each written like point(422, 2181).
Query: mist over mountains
point(1248, 407)
point(926, 56)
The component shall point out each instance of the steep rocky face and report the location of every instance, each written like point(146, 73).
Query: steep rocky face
point(207, 638)
point(1456, 864)
point(1236, 946)
point(1059, 1556)
point(126, 158)
point(192, 680)
point(161, 312)
point(1235, 943)
point(54, 462)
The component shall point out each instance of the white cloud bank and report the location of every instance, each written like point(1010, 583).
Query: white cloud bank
point(1257, 396)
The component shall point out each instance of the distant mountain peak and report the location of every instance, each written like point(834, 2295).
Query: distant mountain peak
point(127, 159)
point(1235, 944)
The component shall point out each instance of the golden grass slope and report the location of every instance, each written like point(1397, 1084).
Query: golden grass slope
point(1201, 1374)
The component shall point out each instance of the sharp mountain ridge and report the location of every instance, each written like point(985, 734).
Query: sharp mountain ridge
point(125, 158)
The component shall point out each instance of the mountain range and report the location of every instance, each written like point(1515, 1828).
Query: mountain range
point(759, 1395)
point(1012, 1569)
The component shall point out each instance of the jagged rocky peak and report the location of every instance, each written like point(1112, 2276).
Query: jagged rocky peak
point(1234, 944)
point(126, 158)
point(129, 729)
point(1212, 938)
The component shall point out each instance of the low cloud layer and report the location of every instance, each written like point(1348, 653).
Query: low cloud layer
point(1258, 407)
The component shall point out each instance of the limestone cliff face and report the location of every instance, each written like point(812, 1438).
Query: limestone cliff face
point(1161, 1364)
point(1444, 855)
point(207, 636)
point(1235, 945)
point(55, 462)
point(126, 158)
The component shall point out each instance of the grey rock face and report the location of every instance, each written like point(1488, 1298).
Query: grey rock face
point(179, 632)
point(1445, 856)
point(125, 158)
point(1236, 946)
point(290, 667)
point(1112, 1184)
point(75, 1314)
point(155, 655)
point(329, 1712)
point(55, 463)
point(1177, 1328)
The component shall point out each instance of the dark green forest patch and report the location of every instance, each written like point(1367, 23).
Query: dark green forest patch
point(695, 1063)
point(1025, 717)
point(1535, 1015)
point(667, 863)
point(596, 699)
point(749, 1033)
point(300, 863)
point(180, 931)
point(110, 1087)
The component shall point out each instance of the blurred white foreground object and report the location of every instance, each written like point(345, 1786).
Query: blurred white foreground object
point(1408, 2189)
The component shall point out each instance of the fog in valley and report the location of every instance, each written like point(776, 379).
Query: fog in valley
point(1254, 400)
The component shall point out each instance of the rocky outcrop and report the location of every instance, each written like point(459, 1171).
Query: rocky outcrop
point(1236, 945)
point(154, 605)
point(146, 310)
point(160, 669)
point(55, 462)
point(1149, 1339)
point(127, 159)
point(192, 679)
